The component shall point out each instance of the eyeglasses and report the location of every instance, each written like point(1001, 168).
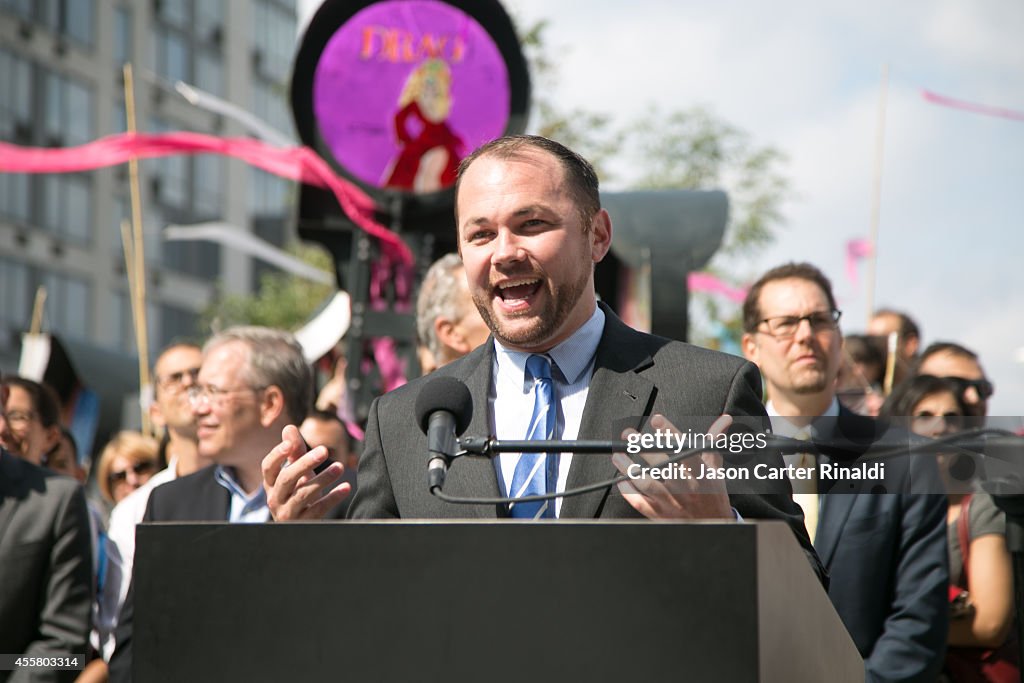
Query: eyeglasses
point(785, 326)
point(20, 418)
point(175, 381)
point(984, 387)
point(138, 468)
point(215, 396)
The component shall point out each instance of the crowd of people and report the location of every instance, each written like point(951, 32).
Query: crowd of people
point(919, 580)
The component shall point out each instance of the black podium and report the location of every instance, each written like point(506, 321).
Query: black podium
point(469, 601)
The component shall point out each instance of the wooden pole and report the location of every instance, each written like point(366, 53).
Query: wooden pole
point(876, 194)
point(136, 259)
point(37, 311)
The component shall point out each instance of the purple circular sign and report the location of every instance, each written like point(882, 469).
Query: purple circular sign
point(405, 89)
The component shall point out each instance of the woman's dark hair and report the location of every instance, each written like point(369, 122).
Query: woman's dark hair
point(912, 391)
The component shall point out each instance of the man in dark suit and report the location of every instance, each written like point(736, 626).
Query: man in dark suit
point(530, 229)
point(252, 382)
point(885, 551)
point(45, 565)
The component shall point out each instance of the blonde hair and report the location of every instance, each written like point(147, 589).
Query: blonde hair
point(437, 107)
point(132, 445)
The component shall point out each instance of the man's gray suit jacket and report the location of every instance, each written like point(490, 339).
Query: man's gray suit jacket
point(635, 376)
point(46, 577)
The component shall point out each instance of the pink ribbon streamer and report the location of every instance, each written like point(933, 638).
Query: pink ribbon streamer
point(295, 163)
point(857, 250)
point(973, 107)
point(706, 282)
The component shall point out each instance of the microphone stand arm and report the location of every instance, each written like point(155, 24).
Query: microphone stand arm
point(488, 447)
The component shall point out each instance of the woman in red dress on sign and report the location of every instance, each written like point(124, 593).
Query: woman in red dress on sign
point(429, 151)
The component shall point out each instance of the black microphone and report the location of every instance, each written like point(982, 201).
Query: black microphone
point(444, 410)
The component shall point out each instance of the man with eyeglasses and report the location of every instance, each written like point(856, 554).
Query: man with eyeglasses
point(176, 370)
point(962, 367)
point(886, 552)
point(33, 419)
point(252, 382)
point(45, 563)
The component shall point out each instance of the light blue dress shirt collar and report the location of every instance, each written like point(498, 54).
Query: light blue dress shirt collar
point(572, 357)
point(244, 508)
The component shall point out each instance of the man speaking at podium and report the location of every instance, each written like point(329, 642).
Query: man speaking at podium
point(530, 230)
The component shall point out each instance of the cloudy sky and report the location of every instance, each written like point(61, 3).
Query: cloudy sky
point(804, 76)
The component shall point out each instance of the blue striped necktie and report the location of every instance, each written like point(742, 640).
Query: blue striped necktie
point(531, 476)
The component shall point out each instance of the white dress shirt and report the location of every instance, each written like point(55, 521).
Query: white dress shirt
point(511, 399)
point(121, 553)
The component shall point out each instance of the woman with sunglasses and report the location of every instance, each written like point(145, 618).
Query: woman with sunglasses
point(981, 616)
point(127, 462)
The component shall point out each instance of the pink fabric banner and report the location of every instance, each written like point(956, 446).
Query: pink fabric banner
point(857, 250)
point(706, 282)
point(295, 163)
point(964, 105)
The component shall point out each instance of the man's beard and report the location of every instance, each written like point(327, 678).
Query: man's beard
point(560, 302)
point(810, 383)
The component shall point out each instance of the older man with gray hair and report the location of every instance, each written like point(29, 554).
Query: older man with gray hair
point(253, 381)
point(448, 325)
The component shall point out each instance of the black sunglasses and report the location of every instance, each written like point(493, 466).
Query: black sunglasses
point(984, 388)
point(137, 468)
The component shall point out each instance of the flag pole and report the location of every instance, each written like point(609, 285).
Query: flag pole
point(876, 195)
point(135, 258)
point(38, 306)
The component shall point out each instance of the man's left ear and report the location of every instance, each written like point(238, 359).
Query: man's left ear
point(271, 405)
point(600, 235)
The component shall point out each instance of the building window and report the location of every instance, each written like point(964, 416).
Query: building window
point(273, 33)
point(209, 170)
point(67, 112)
point(177, 324)
point(16, 109)
point(174, 12)
point(122, 329)
point(270, 104)
point(187, 41)
point(269, 195)
point(46, 109)
point(68, 309)
point(16, 127)
point(67, 302)
point(20, 8)
point(152, 224)
point(14, 282)
point(122, 35)
point(74, 19)
point(198, 258)
point(68, 206)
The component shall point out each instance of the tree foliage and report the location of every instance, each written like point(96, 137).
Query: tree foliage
point(691, 148)
point(283, 300)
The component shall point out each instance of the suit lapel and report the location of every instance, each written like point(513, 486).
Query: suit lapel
point(854, 435)
point(471, 476)
point(619, 397)
point(832, 515)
